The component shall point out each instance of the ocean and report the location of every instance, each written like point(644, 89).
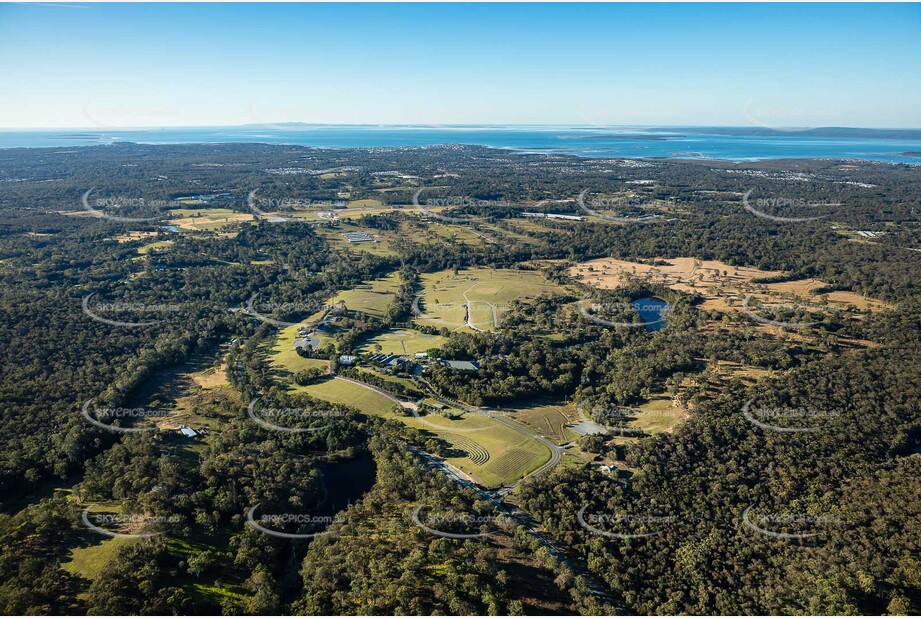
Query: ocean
point(681, 143)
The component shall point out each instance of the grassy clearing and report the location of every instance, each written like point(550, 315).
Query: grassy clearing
point(129, 237)
point(196, 219)
point(212, 377)
point(157, 245)
point(286, 359)
point(339, 391)
point(88, 562)
point(405, 382)
point(372, 298)
point(511, 454)
point(179, 388)
point(549, 421)
point(747, 374)
point(502, 234)
point(437, 232)
point(658, 415)
point(366, 203)
point(493, 454)
point(216, 593)
point(334, 237)
point(574, 459)
point(403, 341)
point(723, 287)
point(445, 295)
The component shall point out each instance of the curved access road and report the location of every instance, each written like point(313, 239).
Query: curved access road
point(555, 452)
point(406, 404)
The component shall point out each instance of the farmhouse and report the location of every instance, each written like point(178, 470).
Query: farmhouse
point(461, 365)
point(391, 362)
point(307, 343)
point(356, 237)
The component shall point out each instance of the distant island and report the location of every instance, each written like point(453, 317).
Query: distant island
point(622, 136)
point(842, 132)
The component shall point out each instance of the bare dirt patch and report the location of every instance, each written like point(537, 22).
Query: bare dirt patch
point(723, 287)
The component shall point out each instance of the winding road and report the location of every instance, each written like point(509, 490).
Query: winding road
point(555, 451)
point(497, 497)
point(406, 404)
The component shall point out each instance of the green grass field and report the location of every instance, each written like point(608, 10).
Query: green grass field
point(403, 341)
point(347, 393)
point(365, 203)
point(285, 358)
point(509, 454)
point(549, 421)
point(334, 236)
point(444, 303)
point(88, 562)
point(436, 232)
point(493, 454)
point(501, 233)
point(657, 415)
point(154, 246)
point(372, 297)
point(206, 219)
point(406, 382)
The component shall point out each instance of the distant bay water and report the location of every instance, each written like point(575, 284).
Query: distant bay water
point(734, 144)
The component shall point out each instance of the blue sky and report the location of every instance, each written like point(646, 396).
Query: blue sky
point(121, 65)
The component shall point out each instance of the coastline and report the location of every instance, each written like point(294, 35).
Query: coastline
point(650, 144)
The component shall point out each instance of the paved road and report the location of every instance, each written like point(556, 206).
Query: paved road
point(555, 451)
point(406, 404)
point(497, 497)
point(469, 312)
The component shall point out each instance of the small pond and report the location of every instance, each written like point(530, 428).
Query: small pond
point(653, 311)
point(347, 482)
